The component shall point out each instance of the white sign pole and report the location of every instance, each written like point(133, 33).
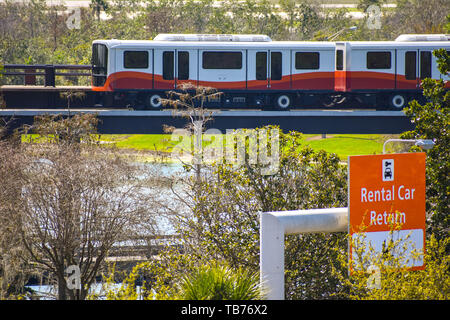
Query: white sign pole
point(275, 225)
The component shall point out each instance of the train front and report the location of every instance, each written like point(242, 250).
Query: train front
point(100, 66)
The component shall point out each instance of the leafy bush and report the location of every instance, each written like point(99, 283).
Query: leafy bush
point(395, 280)
point(215, 282)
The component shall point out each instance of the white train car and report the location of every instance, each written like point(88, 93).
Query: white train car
point(254, 71)
point(389, 72)
point(251, 70)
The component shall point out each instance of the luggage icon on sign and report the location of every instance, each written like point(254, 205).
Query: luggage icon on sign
point(388, 170)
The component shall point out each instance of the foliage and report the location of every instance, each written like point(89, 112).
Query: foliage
point(128, 289)
point(395, 281)
point(223, 223)
point(159, 278)
point(447, 26)
point(432, 121)
point(227, 202)
point(422, 16)
point(35, 33)
point(216, 282)
point(65, 130)
point(177, 276)
point(443, 60)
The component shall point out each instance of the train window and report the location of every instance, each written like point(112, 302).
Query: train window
point(378, 60)
point(183, 65)
point(340, 60)
point(261, 66)
point(410, 65)
point(168, 65)
point(222, 60)
point(99, 64)
point(135, 59)
point(307, 60)
point(425, 64)
point(276, 66)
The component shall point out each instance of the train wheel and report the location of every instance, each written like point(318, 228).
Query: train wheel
point(398, 101)
point(283, 102)
point(154, 101)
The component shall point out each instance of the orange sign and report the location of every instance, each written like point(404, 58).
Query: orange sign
point(387, 190)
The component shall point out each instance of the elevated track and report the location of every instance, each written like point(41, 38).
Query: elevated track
point(125, 121)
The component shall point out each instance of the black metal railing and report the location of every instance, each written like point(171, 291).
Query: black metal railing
point(50, 72)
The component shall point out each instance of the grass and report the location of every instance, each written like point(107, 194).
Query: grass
point(160, 142)
point(343, 145)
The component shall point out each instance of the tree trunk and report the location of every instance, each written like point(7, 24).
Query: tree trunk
point(62, 293)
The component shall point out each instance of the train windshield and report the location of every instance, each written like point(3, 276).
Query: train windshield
point(99, 64)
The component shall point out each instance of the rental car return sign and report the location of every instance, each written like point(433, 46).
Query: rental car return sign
point(387, 191)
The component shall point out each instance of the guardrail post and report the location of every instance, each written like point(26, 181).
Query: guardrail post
point(275, 225)
point(30, 79)
point(49, 75)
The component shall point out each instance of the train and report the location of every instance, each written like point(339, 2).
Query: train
point(253, 71)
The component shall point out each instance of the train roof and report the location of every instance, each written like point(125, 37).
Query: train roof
point(322, 45)
point(260, 41)
point(395, 44)
point(216, 44)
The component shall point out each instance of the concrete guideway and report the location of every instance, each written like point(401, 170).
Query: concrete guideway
point(308, 122)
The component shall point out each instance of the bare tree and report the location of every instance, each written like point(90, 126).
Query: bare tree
point(422, 16)
point(78, 201)
point(189, 102)
point(14, 270)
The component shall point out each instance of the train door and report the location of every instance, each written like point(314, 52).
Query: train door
point(280, 74)
point(164, 74)
point(408, 69)
point(186, 67)
point(258, 70)
point(268, 70)
point(342, 75)
point(134, 69)
point(416, 65)
point(426, 64)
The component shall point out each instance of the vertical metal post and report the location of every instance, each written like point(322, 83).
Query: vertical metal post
point(271, 257)
point(49, 75)
point(30, 79)
point(275, 225)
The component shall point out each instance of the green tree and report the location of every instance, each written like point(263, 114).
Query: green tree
point(224, 223)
